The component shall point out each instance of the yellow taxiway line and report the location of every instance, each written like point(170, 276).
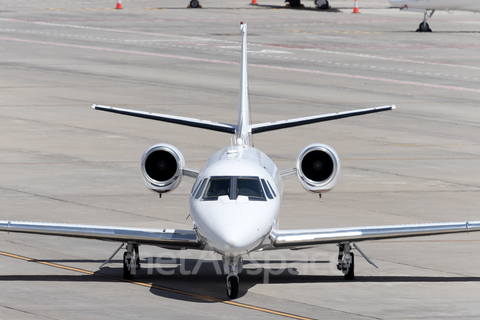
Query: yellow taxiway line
point(149, 285)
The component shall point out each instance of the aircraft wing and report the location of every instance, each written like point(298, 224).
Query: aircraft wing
point(204, 124)
point(310, 237)
point(270, 126)
point(168, 238)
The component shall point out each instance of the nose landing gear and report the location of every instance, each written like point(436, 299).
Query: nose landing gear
point(232, 265)
point(194, 4)
point(232, 286)
point(424, 27)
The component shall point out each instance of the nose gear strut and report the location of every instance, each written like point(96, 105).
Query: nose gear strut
point(232, 265)
point(423, 26)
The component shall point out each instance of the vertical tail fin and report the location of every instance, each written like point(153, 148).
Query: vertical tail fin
point(243, 128)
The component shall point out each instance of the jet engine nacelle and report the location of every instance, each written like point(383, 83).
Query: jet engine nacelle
point(162, 167)
point(318, 168)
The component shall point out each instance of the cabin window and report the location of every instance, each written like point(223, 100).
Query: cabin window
point(217, 187)
point(250, 187)
point(267, 190)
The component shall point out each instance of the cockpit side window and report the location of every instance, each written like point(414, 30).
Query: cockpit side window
point(267, 190)
point(200, 189)
point(271, 189)
point(217, 187)
point(195, 187)
point(250, 187)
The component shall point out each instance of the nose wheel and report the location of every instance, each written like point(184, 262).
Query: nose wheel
point(194, 4)
point(423, 26)
point(232, 286)
point(232, 265)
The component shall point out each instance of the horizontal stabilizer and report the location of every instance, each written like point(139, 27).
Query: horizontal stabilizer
point(270, 126)
point(204, 124)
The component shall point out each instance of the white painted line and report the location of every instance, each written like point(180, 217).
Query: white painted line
point(251, 65)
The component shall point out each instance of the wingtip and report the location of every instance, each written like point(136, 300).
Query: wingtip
point(94, 106)
point(394, 107)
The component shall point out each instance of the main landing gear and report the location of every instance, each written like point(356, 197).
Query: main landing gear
point(294, 4)
point(232, 266)
point(423, 26)
point(322, 4)
point(346, 262)
point(131, 261)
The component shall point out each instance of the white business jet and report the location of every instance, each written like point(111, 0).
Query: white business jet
point(428, 8)
point(235, 200)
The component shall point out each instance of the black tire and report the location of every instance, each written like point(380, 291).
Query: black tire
point(126, 272)
point(350, 275)
point(137, 262)
point(194, 4)
point(294, 3)
point(232, 287)
point(324, 6)
point(424, 28)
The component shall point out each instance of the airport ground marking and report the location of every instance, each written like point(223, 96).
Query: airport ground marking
point(154, 286)
point(334, 74)
point(199, 43)
point(318, 49)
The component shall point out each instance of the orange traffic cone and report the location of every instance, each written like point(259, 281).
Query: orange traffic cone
point(355, 7)
point(254, 2)
point(119, 4)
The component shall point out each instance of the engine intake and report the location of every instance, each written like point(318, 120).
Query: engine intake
point(162, 167)
point(318, 168)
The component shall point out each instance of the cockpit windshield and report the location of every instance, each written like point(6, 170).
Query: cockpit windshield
point(233, 187)
point(217, 186)
point(250, 187)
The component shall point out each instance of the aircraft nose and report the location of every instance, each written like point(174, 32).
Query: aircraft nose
point(235, 238)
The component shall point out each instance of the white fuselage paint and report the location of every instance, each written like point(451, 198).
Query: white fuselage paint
point(446, 5)
point(236, 227)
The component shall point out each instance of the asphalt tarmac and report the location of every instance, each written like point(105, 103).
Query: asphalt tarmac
point(61, 161)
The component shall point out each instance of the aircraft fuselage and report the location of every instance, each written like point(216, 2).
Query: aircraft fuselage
point(235, 202)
